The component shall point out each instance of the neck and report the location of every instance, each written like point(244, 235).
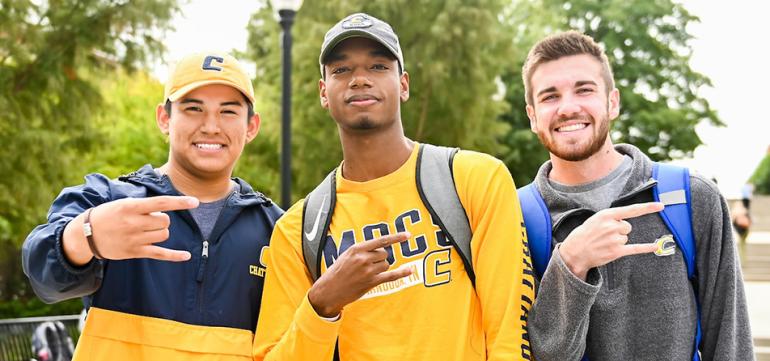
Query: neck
point(204, 188)
point(595, 167)
point(375, 154)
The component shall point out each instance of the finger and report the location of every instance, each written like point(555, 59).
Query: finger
point(155, 236)
point(378, 255)
point(155, 221)
point(384, 241)
point(625, 227)
point(634, 210)
point(164, 203)
point(163, 254)
point(401, 272)
point(622, 239)
point(631, 249)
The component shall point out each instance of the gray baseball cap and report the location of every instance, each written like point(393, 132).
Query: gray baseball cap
point(365, 26)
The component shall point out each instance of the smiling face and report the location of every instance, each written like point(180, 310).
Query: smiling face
point(571, 110)
point(363, 89)
point(208, 129)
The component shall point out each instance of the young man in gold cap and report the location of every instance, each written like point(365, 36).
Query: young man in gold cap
point(168, 259)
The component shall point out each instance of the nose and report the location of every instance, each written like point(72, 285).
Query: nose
point(568, 106)
point(210, 123)
point(360, 79)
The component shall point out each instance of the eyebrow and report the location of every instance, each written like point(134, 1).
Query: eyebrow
point(198, 101)
point(578, 83)
point(585, 82)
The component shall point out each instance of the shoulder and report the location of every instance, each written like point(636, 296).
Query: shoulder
point(704, 192)
point(290, 224)
point(476, 162)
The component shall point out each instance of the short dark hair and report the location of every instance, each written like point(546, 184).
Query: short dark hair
point(561, 45)
point(249, 107)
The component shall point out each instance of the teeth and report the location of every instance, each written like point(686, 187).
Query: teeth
point(573, 127)
point(208, 146)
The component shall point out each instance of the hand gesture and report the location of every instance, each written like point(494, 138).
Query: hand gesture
point(359, 269)
point(127, 228)
point(602, 238)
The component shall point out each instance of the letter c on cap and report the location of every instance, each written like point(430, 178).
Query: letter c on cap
point(211, 58)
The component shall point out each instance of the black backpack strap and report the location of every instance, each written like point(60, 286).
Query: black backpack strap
point(316, 217)
point(436, 186)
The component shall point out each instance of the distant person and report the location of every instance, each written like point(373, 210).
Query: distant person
point(169, 259)
point(617, 285)
point(741, 212)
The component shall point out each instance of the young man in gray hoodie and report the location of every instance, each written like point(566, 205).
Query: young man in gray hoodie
point(606, 294)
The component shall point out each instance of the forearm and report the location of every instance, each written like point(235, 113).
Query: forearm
point(307, 336)
point(52, 276)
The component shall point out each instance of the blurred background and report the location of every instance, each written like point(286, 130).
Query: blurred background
point(79, 82)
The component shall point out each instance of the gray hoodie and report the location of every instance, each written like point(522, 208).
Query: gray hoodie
point(643, 307)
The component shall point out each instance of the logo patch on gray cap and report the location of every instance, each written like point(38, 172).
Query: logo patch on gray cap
point(357, 22)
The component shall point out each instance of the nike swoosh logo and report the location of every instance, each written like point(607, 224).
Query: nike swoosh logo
point(311, 235)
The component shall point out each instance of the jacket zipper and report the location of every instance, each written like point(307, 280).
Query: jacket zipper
point(201, 278)
point(611, 266)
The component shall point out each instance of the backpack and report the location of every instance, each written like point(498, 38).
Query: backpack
point(435, 185)
point(672, 188)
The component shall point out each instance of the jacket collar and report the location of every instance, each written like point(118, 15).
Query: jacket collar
point(558, 205)
point(244, 195)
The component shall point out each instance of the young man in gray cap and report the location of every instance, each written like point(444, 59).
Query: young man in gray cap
point(618, 285)
point(392, 284)
point(167, 258)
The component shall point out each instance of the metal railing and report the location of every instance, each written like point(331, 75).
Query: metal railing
point(15, 334)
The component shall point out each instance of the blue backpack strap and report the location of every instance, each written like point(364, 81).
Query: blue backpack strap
point(537, 221)
point(673, 190)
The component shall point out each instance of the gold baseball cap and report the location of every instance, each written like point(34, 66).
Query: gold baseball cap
point(197, 70)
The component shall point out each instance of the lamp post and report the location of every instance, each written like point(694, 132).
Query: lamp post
point(286, 9)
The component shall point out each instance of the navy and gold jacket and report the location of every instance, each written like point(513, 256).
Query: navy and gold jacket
point(144, 308)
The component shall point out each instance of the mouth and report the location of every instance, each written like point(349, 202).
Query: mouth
point(362, 100)
point(209, 146)
point(571, 127)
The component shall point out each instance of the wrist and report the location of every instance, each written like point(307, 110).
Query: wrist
point(572, 261)
point(320, 306)
point(74, 243)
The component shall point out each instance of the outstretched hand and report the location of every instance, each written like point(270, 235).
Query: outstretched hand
point(602, 238)
point(127, 228)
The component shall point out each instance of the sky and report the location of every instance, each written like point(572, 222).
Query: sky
point(730, 47)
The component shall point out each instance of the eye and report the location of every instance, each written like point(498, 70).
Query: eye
point(230, 112)
point(585, 90)
point(193, 108)
point(548, 97)
point(340, 70)
point(380, 67)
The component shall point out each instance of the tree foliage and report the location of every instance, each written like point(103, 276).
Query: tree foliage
point(52, 55)
point(648, 46)
point(761, 177)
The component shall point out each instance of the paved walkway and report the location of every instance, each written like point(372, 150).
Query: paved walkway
point(755, 261)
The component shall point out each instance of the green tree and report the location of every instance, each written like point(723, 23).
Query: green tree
point(761, 177)
point(453, 50)
point(52, 55)
point(648, 46)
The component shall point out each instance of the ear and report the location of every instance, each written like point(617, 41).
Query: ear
point(532, 118)
point(162, 118)
point(404, 80)
point(322, 94)
point(613, 104)
point(252, 128)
